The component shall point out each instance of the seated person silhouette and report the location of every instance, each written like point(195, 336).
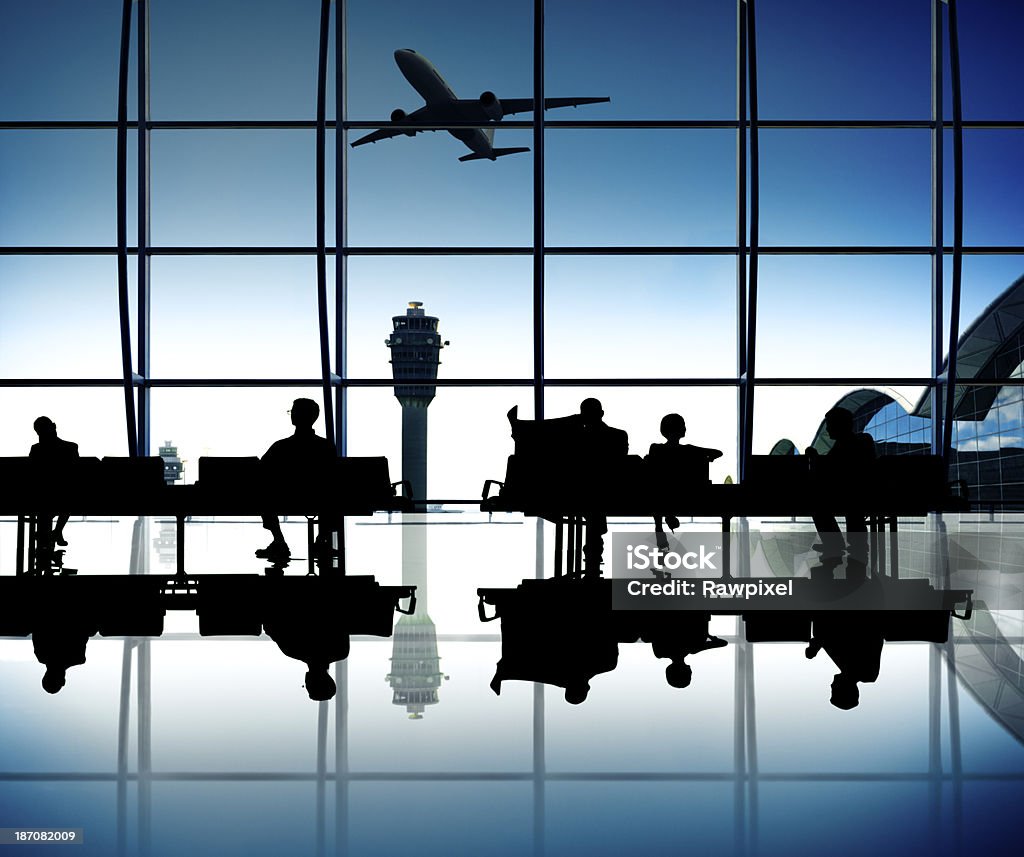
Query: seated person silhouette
point(844, 467)
point(309, 634)
point(292, 460)
point(677, 467)
point(676, 637)
point(853, 640)
point(599, 444)
point(60, 644)
point(54, 455)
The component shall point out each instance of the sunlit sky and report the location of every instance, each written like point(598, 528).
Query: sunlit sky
point(649, 315)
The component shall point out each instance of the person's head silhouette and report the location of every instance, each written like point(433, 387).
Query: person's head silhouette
point(54, 679)
point(839, 423)
point(591, 411)
point(845, 693)
point(673, 427)
point(319, 684)
point(577, 692)
point(679, 674)
point(304, 413)
point(45, 428)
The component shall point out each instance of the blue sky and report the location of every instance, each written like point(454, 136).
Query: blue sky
point(647, 315)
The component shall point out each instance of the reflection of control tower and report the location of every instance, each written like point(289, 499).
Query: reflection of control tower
point(415, 355)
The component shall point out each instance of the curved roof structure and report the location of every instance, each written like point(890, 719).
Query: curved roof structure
point(863, 404)
point(980, 355)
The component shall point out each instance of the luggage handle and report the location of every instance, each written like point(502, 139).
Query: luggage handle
point(968, 610)
point(412, 603)
point(482, 610)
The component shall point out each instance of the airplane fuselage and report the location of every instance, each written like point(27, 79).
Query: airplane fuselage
point(436, 92)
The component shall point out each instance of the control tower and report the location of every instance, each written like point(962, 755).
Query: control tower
point(415, 355)
point(415, 345)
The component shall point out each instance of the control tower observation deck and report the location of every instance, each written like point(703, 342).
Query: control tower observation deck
point(415, 355)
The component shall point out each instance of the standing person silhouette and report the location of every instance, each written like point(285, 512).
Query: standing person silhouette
point(295, 460)
point(679, 465)
point(54, 455)
point(600, 445)
point(844, 468)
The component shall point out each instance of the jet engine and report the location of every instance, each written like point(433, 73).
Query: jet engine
point(398, 115)
point(492, 107)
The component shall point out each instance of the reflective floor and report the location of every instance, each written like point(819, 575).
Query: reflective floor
point(210, 745)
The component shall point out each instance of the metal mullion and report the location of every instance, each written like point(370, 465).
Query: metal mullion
point(341, 223)
point(958, 230)
point(122, 230)
point(638, 124)
point(143, 302)
point(538, 209)
point(937, 277)
point(604, 250)
point(750, 373)
point(741, 233)
point(321, 216)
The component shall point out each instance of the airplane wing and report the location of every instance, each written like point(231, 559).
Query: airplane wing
point(420, 115)
point(522, 105)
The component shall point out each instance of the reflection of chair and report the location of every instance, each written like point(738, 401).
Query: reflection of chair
point(128, 606)
point(230, 605)
point(777, 627)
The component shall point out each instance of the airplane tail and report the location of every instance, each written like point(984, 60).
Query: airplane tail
point(495, 153)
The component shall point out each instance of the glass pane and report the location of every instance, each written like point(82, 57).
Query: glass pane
point(225, 421)
point(257, 678)
point(254, 818)
point(414, 192)
point(846, 316)
point(640, 188)
point(992, 166)
point(665, 817)
point(710, 414)
point(488, 817)
point(989, 58)
point(452, 741)
point(92, 417)
point(640, 316)
point(833, 61)
point(797, 414)
point(474, 53)
point(209, 59)
point(59, 317)
point(610, 710)
point(888, 732)
point(875, 815)
point(60, 188)
point(60, 61)
point(468, 431)
point(235, 317)
point(648, 57)
point(845, 187)
point(985, 280)
point(233, 188)
point(484, 307)
point(37, 723)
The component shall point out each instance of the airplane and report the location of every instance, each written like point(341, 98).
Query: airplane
point(443, 107)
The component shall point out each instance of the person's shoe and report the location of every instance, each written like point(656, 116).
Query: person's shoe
point(60, 540)
point(275, 550)
point(672, 521)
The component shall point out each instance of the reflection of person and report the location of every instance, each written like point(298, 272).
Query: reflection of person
point(599, 445)
point(680, 465)
point(59, 647)
point(844, 467)
point(295, 459)
point(854, 643)
point(309, 632)
point(53, 453)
